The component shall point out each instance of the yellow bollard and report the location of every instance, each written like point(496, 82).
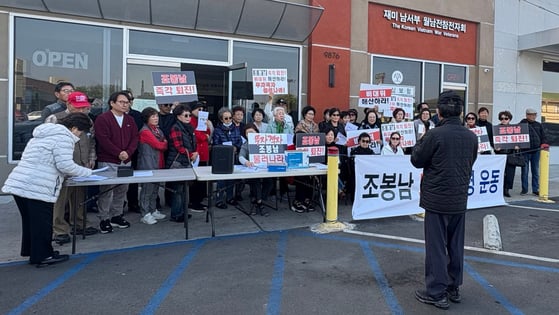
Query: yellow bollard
point(544, 177)
point(332, 187)
point(332, 224)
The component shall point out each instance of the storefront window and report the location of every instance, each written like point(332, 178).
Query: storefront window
point(432, 83)
point(428, 84)
point(47, 52)
point(454, 74)
point(267, 57)
point(177, 46)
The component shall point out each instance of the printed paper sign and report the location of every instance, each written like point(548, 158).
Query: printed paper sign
point(266, 81)
point(482, 138)
point(267, 147)
point(177, 86)
point(314, 144)
point(202, 119)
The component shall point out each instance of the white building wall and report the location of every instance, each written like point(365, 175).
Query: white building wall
point(517, 79)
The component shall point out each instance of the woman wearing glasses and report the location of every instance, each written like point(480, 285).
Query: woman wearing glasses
point(505, 117)
point(363, 147)
point(226, 133)
point(335, 123)
point(181, 154)
point(470, 120)
point(393, 147)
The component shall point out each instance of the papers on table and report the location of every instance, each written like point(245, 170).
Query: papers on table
point(91, 178)
point(143, 173)
point(100, 169)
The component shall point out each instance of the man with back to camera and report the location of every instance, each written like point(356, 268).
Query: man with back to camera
point(532, 155)
point(61, 90)
point(447, 154)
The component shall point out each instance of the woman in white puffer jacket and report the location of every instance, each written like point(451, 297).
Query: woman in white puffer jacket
point(36, 181)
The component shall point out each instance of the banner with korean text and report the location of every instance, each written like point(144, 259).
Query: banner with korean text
point(511, 136)
point(388, 186)
point(266, 81)
point(174, 86)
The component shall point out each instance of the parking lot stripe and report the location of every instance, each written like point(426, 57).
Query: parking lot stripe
point(387, 292)
point(274, 300)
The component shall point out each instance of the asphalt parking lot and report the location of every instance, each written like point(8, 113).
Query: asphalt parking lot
point(276, 265)
point(373, 269)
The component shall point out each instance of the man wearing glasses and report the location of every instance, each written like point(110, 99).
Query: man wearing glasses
point(116, 135)
point(61, 90)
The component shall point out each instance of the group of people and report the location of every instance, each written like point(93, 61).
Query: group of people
point(531, 155)
point(71, 143)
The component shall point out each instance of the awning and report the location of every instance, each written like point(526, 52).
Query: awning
point(545, 42)
point(272, 19)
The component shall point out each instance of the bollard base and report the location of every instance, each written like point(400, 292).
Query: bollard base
point(329, 227)
point(545, 200)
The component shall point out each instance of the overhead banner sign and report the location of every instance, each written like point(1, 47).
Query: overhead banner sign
point(388, 186)
point(266, 81)
point(177, 86)
point(264, 148)
point(510, 136)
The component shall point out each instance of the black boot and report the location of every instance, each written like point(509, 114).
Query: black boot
point(260, 209)
point(506, 193)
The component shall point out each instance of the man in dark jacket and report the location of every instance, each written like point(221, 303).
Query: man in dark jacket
point(447, 154)
point(532, 156)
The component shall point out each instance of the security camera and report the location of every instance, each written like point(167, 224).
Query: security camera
point(486, 70)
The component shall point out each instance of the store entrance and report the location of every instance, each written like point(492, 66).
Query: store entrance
point(220, 86)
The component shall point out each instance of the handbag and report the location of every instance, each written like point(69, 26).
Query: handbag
point(516, 158)
point(176, 164)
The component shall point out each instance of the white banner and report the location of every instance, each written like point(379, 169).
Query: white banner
point(388, 186)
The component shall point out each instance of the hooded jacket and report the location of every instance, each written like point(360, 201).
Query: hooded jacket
point(47, 158)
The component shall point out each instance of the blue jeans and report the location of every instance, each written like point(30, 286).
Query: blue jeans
point(532, 161)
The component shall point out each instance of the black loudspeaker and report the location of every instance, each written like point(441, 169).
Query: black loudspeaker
point(223, 157)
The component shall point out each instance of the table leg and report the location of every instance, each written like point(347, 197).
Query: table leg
point(186, 201)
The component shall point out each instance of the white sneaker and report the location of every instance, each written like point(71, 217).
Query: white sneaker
point(158, 215)
point(148, 219)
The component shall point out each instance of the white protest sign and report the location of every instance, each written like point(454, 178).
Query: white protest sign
point(266, 81)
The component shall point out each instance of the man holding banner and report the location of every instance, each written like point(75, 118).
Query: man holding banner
point(447, 154)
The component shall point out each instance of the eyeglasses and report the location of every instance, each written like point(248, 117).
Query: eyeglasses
point(394, 138)
point(504, 118)
point(123, 102)
point(470, 118)
point(67, 91)
point(186, 115)
point(226, 118)
point(166, 105)
point(335, 115)
point(365, 141)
